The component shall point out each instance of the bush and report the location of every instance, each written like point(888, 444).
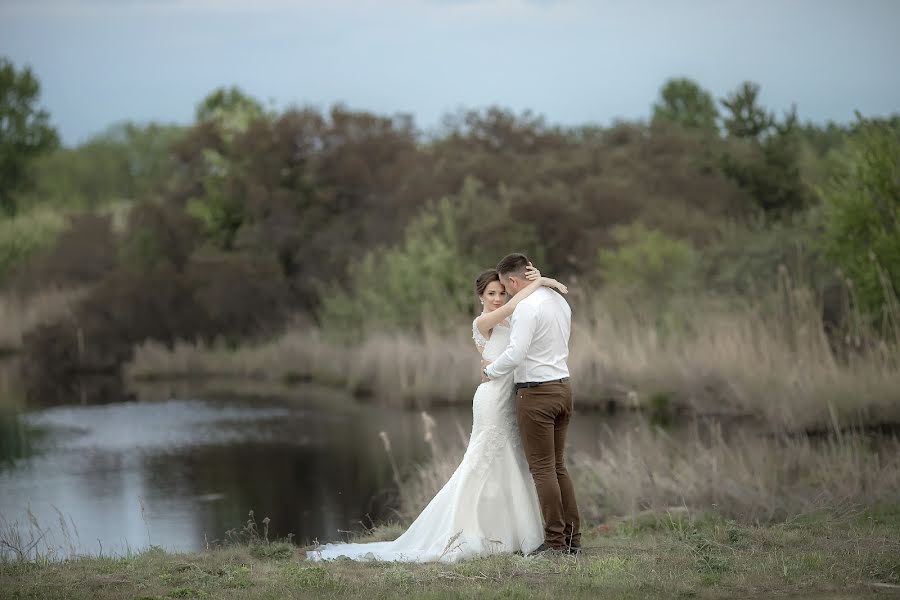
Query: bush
point(158, 234)
point(23, 236)
point(862, 217)
point(647, 262)
point(746, 258)
point(83, 253)
point(236, 295)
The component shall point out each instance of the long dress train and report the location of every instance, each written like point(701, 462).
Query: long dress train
point(489, 505)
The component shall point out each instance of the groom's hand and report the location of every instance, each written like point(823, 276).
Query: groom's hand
point(484, 365)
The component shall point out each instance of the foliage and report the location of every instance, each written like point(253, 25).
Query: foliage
point(128, 161)
point(25, 131)
point(430, 276)
point(746, 258)
point(765, 154)
point(231, 107)
point(363, 221)
point(157, 234)
point(862, 216)
point(745, 118)
point(83, 252)
point(22, 236)
point(684, 102)
point(647, 261)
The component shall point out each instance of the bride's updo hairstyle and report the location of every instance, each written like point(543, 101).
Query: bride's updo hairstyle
point(485, 280)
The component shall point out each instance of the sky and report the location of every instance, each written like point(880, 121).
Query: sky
point(573, 61)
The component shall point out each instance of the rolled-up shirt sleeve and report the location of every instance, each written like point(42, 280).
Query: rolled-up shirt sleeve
point(523, 323)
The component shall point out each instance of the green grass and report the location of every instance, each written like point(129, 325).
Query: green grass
point(817, 555)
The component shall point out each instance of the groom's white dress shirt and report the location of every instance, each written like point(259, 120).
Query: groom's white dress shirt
point(539, 341)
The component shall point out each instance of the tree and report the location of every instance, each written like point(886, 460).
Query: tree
point(127, 161)
point(231, 108)
point(684, 102)
point(746, 119)
point(862, 217)
point(428, 277)
point(25, 131)
point(765, 153)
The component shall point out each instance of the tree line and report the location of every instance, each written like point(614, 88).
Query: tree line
point(248, 216)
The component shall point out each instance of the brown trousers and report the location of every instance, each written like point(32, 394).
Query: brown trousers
point(543, 414)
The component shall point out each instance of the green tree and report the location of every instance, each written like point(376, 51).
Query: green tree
point(684, 102)
point(25, 131)
point(745, 117)
point(222, 209)
point(231, 108)
point(862, 216)
point(127, 161)
point(765, 154)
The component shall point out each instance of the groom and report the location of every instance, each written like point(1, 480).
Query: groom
point(537, 352)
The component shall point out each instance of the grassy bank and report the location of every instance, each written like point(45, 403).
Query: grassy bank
point(657, 556)
point(704, 357)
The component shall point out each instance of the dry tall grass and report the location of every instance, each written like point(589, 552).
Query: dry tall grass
point(402, 370)
point(775, 365)
point(745, 476)
point(18, 315)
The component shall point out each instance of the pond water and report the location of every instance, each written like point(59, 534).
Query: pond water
point(180, 467)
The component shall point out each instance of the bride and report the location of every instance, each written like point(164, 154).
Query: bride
point(489, 505)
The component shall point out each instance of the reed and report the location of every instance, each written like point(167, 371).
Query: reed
point(702, 356)
point(751, 478)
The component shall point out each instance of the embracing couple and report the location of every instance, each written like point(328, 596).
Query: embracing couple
point(511, 493)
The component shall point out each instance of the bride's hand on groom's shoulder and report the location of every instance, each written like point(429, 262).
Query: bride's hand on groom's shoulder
point(533, 274)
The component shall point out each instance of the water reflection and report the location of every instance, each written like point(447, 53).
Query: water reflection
point(178, 467)
point(178, 472)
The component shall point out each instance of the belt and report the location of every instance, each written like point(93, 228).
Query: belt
point(530, 384)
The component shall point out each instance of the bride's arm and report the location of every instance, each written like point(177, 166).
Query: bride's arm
point(488, 321)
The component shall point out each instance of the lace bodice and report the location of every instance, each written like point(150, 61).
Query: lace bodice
point(494, 346)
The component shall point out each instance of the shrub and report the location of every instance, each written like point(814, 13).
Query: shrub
point(157, 234)
point(236, 295)
point(23, 236)
point(862, 217)
point(647, 261)
point(746, 258)
point(82, 254)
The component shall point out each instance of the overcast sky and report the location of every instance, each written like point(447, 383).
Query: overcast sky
point(574, 61)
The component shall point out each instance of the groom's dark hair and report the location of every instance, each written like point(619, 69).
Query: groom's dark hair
point(512, 264)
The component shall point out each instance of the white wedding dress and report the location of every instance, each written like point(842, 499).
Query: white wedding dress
point(489, 505)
